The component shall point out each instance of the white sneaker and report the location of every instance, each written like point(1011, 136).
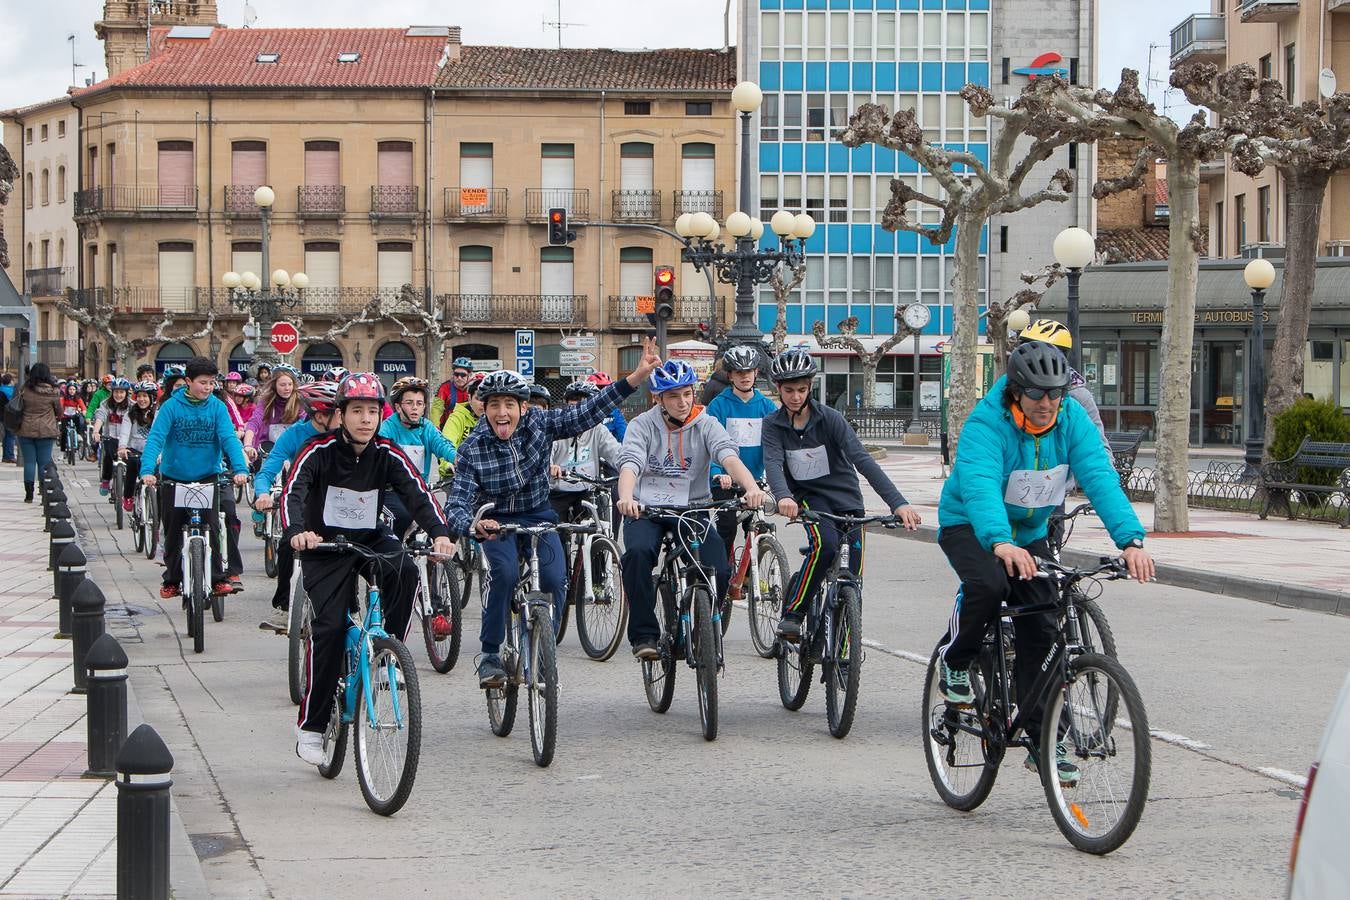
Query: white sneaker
point(280, 622)
point(310, 748)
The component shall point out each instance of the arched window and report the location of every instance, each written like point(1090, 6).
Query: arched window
point(169, 354)
point(60, 184)
point(46, 186)
point(394, 360)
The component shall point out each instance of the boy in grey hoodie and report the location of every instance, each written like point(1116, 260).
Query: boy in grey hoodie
point(667, 454)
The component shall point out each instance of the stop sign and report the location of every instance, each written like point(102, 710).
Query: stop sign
point(285, 338)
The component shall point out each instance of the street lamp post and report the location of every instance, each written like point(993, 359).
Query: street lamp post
point(1074, 249)
point(263, 297)
point(1259, 275)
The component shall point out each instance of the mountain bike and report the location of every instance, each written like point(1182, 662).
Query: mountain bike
point(1092, 630)
point(298, 637)
point(71, 440)
point(271, 534)
point(759, 576)
point(199, 499)
point(691, 626)
point(529, 654)
point(378, 693)
point(144, 515)
point(119, 481)
point(442, 651)
point(964, 745)
point(594, 572)
point(832, 630)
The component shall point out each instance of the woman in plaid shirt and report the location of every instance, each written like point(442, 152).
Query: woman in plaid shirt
point(504, 462)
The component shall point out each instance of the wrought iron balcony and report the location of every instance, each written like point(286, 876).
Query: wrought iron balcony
point(49, 282)
point(475, 204)
point(321, 201)
point(136, 200)
point(1268, 10)
point(510, 310)
point(1199, 38)
point(709, 202)
point(393, 201)
point(538, 201)
point(239, 202)
point(689, 311)
point(636, 206)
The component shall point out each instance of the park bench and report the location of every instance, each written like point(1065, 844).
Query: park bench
point(1124, 449)
point(1317, 469)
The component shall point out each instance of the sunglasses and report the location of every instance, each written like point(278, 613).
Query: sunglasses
point(1038, 393)
point(461, 375)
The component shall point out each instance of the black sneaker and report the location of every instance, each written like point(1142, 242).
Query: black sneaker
point(646, 650)
point(490, 671)
point(790, 629)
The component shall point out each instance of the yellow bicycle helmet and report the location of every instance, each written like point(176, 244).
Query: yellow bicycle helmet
point(1049, 331)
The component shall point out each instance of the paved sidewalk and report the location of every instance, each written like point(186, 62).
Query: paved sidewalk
point(57, 828)
point(1292, 563)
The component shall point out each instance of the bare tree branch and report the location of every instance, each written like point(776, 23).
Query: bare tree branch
point(783, 281)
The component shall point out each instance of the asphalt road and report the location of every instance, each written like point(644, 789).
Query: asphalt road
point(637, 804)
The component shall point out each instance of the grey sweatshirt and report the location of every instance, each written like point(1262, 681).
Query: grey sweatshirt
point(673, 466)
point(582, 455)
point(820, 463)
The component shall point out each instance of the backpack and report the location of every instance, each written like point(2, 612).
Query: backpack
point(14, 412)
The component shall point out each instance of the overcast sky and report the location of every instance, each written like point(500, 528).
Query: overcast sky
point(35, 53)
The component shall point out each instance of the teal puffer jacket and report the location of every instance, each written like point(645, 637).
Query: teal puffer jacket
point(993, 448)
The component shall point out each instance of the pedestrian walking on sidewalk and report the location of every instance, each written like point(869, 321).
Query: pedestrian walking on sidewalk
point(11, 437)
point(38, 429)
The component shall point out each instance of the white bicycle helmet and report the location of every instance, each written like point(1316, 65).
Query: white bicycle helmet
point(503, 383)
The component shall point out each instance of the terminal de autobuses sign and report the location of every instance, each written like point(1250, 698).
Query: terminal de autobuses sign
point(1202, 316)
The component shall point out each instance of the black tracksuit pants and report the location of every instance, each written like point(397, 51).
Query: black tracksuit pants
point(985, 587)
point(642, 546)
point(174, 519)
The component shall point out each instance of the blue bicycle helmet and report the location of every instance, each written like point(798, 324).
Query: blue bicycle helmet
point(672, 374)
point(119, 384)
point(463, 362)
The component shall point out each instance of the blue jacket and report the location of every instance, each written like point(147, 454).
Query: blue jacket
point(513, 473)
point(992, 448)
point(197, 434)
point(617, 424)
point(420, 444)
point(726, 407)
point(283, 451)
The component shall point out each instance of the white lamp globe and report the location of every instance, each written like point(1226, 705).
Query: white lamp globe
point(1074, 248)
point(1259, 274)
point(701, 224)
point(684, 225)
point(738, 224)
point(281, 278)
point(1018, 319)
point(756, 229)
point(300, 280)
point(250, 281)
point(746, 96)
point(264, 196)
point(782, 223)
point(803, 226)
point(230, 279)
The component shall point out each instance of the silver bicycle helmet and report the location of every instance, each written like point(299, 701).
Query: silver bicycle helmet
point(741, 359)
point(791, 365)
point(503, 383)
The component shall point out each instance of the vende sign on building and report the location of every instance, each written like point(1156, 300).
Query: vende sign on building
point(285, 337)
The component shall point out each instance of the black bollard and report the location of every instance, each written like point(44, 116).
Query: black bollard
point(106, 704)
point(70, 572)
point(54, 496)
point(86, 627)
point(143, 783)
point(57, 512)
point(63, 535)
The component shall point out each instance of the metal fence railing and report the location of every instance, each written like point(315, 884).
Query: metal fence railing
point(888, 424)
point(321, 201)
point(475, 203)
point(515, 309)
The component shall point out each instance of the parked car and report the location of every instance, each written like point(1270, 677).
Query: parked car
point(1318, 863)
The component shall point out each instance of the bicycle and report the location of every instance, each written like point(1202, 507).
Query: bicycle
point(196, 555)
point(964, 745)
point(443, 652)
point(759, 575)
point(144, 516)
point(1091, 628)
point(831, 632)
point(119, 481)
point(271, 534)
point(298, 639)
point(693, 629)
point(71, 440)
point(378, 691)
point(595, 579)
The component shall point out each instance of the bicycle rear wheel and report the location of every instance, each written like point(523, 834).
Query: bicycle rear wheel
point(269, 555)
point(297, 636)
point(198, 596)
point(334, 740)
point(443, 653)
point(703, 644)
point(794, 670)
point(601, 620)
point(955, 742)
point(765, 601)
point(658, 675)
point(542, 686)
point(501, 704)
point(843, 668)
point(1099, 812)
point(388, 727)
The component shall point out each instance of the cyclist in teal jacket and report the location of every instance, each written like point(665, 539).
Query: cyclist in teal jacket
point(416, 436)
point(1013, 462)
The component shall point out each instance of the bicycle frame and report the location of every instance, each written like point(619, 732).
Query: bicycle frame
point(753, 524)
point(361, 635)
point(680, 566)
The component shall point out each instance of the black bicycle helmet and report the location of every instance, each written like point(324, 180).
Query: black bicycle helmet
point(791, 365)
point(1038, 364)
point(579, 390)
point(741, 359)
point(539, 394)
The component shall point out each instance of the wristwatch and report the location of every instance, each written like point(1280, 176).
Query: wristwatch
point(1137, 544)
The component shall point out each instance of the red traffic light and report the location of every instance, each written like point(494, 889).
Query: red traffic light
point(665, 275)
point(557, 215)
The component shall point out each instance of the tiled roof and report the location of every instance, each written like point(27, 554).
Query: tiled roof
point(1160, 192)
point(1135, 244)
point(21, 111)
point(308, 57)
point(653, 70)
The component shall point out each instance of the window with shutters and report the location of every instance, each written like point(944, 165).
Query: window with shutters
point(635, 271)
point(635, 199)
point(176, 183)
point(323, 193)
point(475, 180)
point(556, 166)
point(637, 107)
point(323, 265)
point(475, 283)
point(555, 284)
point(176, 275)
point(394, 193)
point(248, 172)
point(246, 256)
point(698, 108)
point(394, 269)
point(697, 171)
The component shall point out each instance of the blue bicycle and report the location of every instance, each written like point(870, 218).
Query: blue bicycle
point(378, 693)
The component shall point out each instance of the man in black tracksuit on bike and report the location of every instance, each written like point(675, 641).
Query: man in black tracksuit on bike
point(335, 490)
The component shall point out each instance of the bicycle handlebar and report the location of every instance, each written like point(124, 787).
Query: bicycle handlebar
point(1112, 567)
point(578, 478)
point(810, 515)
point(652, 511)
point(342, 545)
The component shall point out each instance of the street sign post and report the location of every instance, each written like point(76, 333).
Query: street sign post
point(580, 342)
point(285, 337)
point(576, 371)
point(525, 352)
point(575, 358)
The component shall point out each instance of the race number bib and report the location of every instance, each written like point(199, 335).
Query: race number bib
point(745, 432)
point(194, 496)
point(274, 432)
point(808, 464)
point(417, 455)
point(664, 490)
point(351, 510)
point(1035, 488)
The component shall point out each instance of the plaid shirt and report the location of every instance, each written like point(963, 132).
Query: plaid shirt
point(513, 473)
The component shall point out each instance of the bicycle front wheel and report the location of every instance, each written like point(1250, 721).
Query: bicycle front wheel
point(843, 667)
point(297, 634)
point(269, 555)
point(794, 671)
point(118, 488)
point(443, 652)
point(1098, 810)
point(601, 620)
point(388, 728)
point(198, 595)
point(704, 650)
point(137, 524)
point(542, 687)
point(962, 758)
point(150, 513)
point(765, 601)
